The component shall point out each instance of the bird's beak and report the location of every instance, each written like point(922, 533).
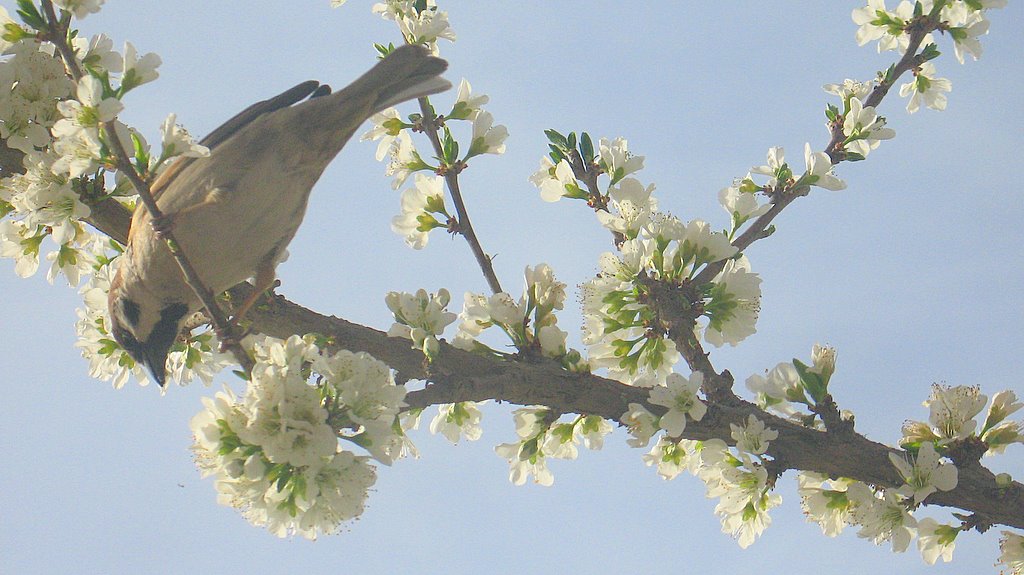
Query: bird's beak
point(155, 360)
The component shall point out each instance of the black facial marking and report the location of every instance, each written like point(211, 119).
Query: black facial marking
point(131, 311)
point(166, 330)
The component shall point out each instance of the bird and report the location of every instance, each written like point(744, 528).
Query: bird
point(234, 211)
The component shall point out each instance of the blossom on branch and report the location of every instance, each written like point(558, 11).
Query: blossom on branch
point(421, 317)
point(924, 474)
point(679, 395)
point(927, 88)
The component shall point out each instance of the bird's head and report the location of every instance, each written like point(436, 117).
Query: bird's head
point(144, 326)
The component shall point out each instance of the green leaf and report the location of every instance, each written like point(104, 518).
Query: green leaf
point(587, 148)
point(450, 147)
point(384, 50)
point(556, 153)
point(31, 16)
point(815, 385)
point(557, 139)
point(931, 51)
point(14, 33)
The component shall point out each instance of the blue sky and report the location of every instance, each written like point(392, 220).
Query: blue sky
point(913, 272)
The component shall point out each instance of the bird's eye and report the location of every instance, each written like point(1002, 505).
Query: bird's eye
point(127, 341)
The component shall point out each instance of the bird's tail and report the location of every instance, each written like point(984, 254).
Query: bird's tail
point(329, 120)
point(406, 73)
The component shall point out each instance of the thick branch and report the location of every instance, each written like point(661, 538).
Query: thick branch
point(462, 376)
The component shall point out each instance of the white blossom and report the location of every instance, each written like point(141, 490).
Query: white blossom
point(819, 170)
point(924, 474)
point(775, 168)
point(679, 395)
point(457, 420)
point(1011, 547)
point(138, 70)
point(404, 159)
point(467, 105)
point(421, 317)
point(952, 411)
point(616, 160)
point(386, 126)
point(754, 437)
point(741, 206)
point(640, 423)
point(419, 204)
point(633, 205)
point(525, 456)
point(882, 518)
point(850, 89)
point(80, 8)
point(555, 181)
point(487, 138)
point(735, 306)
point(825, 502)
point(927, 88)
point(671, 457)
point(863, 128)
point(935, 540)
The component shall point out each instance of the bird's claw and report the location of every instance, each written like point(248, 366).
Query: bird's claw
point(162, 224)
point(228, 342)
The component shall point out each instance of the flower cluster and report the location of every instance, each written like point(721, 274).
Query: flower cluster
point(738, 477)
point(529, 322)
point(421, 202)
point(963, 20)
point(882, 514)
point(781, 176)
point(625, 328)
point(540, 438)
point(421, 317)
point(275, 453)
point(634, 302)
point(419, 22)
point(952, 412)
point(56, 122)
point(556, 179)
point(795, 382)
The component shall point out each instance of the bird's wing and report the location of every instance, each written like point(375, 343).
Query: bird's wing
point(309, 88)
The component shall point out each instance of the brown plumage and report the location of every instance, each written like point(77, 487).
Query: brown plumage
point(234, 211)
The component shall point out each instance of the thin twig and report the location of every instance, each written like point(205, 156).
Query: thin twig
point(757, 229)
point(226, 330)
point(451, 177)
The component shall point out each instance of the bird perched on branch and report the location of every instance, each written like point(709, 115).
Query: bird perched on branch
point(233, 212)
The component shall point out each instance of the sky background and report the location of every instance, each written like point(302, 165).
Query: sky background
point(913, 272)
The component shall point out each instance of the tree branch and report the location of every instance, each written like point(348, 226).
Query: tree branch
point(458, 375)
point(451, 178)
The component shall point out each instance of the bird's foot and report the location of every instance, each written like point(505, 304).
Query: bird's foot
point(234, 339)
point(162, 225)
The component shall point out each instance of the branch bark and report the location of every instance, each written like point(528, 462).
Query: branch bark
point(457, 375)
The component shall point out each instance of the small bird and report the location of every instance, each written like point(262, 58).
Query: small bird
point(234, 211)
